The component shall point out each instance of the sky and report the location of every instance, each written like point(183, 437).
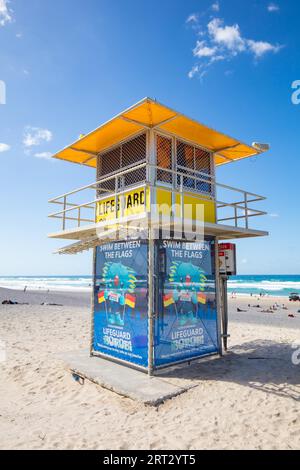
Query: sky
point(69, 65)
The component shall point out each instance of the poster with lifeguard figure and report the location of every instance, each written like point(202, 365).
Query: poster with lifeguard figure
point(187, 322)
point(121, 300)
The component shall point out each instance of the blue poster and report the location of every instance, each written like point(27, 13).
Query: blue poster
point(121, 301)
point(186, 326)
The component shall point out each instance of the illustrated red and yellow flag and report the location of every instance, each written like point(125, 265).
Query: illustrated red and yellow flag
point(201, 298)
point(101, 297)
point(168, 300)
point(130, 300)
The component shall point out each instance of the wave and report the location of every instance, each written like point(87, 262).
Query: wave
point(47, 283)
point(273, 285)
point(265, 285)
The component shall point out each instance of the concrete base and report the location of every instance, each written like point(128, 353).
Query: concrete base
point(123, 380)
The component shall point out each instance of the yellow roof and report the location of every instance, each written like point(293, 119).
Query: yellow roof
point(150, 114)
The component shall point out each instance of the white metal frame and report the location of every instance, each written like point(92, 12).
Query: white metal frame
point(150, 162)
point(151, 182)
point(243, 204)
point(152, 368)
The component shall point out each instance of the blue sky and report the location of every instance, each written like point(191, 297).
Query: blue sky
point(69, 65)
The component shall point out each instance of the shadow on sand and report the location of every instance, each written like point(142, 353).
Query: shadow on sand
point(262, 365)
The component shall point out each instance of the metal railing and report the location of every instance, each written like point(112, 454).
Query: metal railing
point(183, 181)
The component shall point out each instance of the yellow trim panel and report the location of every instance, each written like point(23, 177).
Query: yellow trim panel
point(149, 114)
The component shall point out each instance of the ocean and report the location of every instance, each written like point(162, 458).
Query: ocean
point(278, 285)
point(58, 283)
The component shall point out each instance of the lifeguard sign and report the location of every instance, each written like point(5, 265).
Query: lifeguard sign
point(156, 293)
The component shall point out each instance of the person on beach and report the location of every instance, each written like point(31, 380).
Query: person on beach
point(25, 289)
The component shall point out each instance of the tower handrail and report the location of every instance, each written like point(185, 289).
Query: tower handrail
point(117, 177)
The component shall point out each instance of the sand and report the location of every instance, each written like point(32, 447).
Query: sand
point(249, 399)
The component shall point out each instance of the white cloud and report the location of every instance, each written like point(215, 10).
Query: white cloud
point(4, 147)
point(202, 50)
point(274, 215)
point(34, 136)
point(221, 42)
point(45, 155)
point(5, 13)
point(227, 36)
point(198, 70)
point(260, 48)
point(272, 7)
point(19, 35)
point(194, 70)
point(215, 6)
point(193, 18)
point(244, 261)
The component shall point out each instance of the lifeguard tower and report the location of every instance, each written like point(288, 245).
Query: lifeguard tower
point(154, 218)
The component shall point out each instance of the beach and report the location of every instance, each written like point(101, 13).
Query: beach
point(248, 399)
